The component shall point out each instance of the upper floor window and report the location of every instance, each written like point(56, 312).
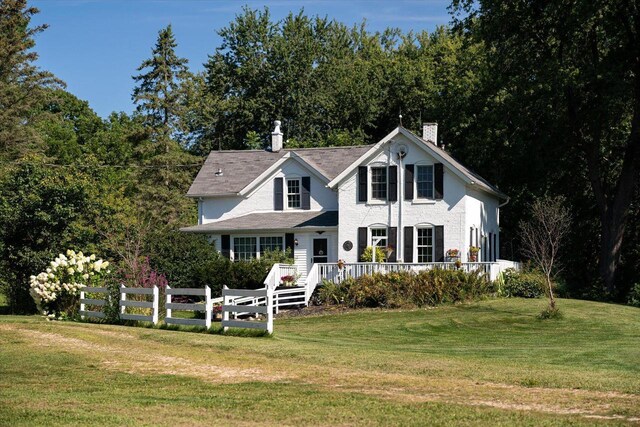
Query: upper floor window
point(293, 193)
point(424, 181)
point(424, 244)
point(379, 183)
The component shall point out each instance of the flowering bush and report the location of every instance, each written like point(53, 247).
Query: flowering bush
point(56, 290)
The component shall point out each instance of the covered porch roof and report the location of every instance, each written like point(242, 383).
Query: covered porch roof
point(269, 221)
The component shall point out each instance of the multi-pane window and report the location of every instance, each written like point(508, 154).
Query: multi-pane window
point(381, 234)
point(424, 181)
point(379, 183)
point(244, 248)
point(424, 244)
point(293, 193)
point(271, 243)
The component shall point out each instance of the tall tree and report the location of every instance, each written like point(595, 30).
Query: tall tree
point(575, 66)
point(21, 82)
point(158, 95)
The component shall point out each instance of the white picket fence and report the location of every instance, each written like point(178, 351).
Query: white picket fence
point(207, 306)
point(153, 304)
point(84, 302)
point(255, 301)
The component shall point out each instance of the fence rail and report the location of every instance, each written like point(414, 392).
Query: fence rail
point(255, 298)
point(207, 307)
point(84, 313)
point(153, 304)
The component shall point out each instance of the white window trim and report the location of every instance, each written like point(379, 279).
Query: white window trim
point(258, 247)
point(415, 240)
point(370, 199)
point(377, 227)
point(424, 200)
point(286, 192)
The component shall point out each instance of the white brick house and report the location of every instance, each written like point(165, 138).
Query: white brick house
point(404, 193)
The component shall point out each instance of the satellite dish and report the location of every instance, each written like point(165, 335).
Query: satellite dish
point(401, 151)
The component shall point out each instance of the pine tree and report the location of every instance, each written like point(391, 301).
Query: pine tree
point(158, 95)
point(21, 82)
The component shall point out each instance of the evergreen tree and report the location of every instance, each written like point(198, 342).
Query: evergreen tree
point(21, 82)
point(158, 95)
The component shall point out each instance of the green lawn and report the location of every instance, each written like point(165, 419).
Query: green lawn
point(486, 363)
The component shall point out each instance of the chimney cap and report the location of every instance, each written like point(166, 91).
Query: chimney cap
point(277, 130)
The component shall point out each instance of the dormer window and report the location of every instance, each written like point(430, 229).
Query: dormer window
point(293, 193)
point(379, 183)
point(424, 181)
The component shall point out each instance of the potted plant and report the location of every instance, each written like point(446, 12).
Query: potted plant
point(288, 280)
point(217, 312)
point(473, 253)
point(453, 254)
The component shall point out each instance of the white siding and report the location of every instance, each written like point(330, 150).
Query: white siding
point(449, 212)
point(261, 200)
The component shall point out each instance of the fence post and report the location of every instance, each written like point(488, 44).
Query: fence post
point(208, 306)
point(82, 307)
point(156, 304)
point(225, 301)
point(167, 302)
point(123, 297)
point(270, 310)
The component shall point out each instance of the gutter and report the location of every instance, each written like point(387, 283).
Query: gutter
point(505, 203)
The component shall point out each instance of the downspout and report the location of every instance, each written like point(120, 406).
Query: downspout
point(497, 248)
point(400, 234)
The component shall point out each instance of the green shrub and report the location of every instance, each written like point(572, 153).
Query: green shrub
point(334, 293)
point(367, 255)
point(405, 289)
point(634, 296)
point(524, 284)
point(369, 291)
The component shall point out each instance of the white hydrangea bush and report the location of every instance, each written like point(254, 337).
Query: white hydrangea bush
point(56, 290)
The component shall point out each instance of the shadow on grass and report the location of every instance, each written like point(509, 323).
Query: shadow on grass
point(213, 330)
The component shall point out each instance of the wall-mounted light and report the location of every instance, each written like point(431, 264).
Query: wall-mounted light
point(295, 242)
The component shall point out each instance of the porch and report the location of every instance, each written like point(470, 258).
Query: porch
point(333, 272)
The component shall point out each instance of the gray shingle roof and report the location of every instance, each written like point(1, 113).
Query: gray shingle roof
point(241, 167)
point(270, 221)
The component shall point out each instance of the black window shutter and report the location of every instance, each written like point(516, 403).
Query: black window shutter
point(438, 180)
point(362, 241)
point(408, 182)
point(305, 193)
point(439, 241)
point(289, 242)
point(392, 241)
point(362, 183)
point(225, 245)
point(393, 183)
point(408, 244)
point(278, 192)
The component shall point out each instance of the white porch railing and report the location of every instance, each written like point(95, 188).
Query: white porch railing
point(333, 273)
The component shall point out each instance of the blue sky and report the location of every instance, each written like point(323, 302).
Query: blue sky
point(95, 46)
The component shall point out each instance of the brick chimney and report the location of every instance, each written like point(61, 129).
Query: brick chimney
point(430, 132)
point(276, 138)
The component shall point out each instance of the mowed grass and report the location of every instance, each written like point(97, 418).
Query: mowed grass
point(486, 363)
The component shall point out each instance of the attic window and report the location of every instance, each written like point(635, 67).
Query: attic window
point(293, 193)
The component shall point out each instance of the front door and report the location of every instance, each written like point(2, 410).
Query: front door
point(320, 250)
